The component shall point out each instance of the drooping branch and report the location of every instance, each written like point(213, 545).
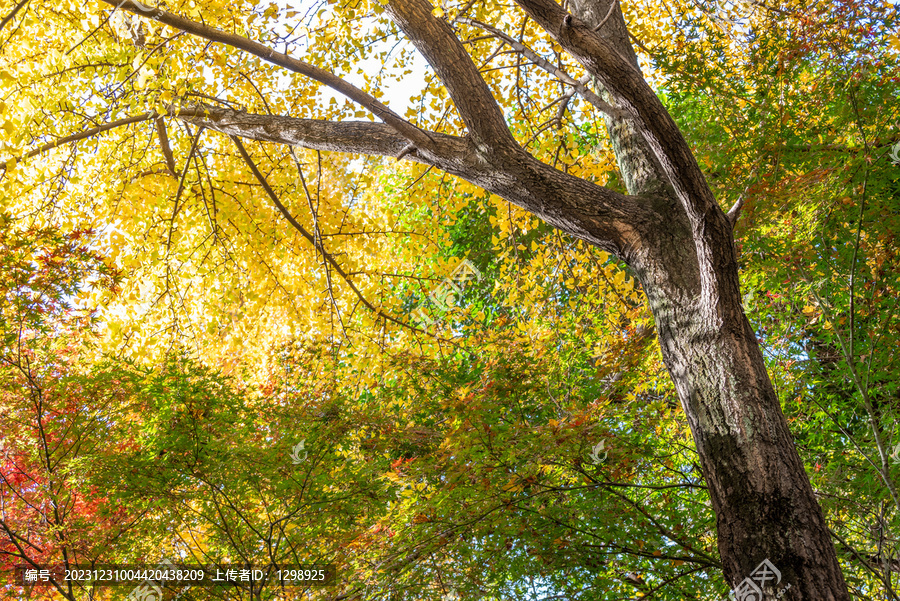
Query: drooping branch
point(396, 122)
point(313, 239)
point(320, 246)
point(176, 206)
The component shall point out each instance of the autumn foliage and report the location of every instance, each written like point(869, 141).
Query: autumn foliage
point(180, 311)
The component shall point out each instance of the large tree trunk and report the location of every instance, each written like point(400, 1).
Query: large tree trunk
point(764, 504)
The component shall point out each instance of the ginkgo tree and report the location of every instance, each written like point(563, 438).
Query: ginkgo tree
point(212, 120)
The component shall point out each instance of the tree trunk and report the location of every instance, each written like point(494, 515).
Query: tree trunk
point(764, 503)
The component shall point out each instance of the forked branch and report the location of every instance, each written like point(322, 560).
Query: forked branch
point(631, 92)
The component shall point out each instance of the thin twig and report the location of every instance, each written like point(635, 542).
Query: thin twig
point(547, 66)
point(296, 225)
point(318, 240)
point(184, 171)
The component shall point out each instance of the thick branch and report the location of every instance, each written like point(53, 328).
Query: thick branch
point(164, 144)
point(710, 230)
point(446, 54)
point(576, 206)
point(631, 92)
point(13, 14)
point(400, 125)
point(641, 172)
point(583, 209)
point(355, 137)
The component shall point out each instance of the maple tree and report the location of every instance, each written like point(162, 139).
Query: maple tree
point(50, 415)
point(290, 227)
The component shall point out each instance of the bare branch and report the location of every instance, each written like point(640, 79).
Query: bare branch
point(318, 236)
point(177, 206)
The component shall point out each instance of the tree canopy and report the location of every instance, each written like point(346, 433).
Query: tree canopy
point(373, 285)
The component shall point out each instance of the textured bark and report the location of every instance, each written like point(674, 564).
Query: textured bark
point(640, 170)
point(764, 504)
point(669, 229)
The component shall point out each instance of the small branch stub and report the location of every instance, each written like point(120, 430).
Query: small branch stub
point(735, 211)
point(566, 24)
point(406, 150)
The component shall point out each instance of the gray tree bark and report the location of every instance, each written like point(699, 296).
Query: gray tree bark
point(764, 504)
